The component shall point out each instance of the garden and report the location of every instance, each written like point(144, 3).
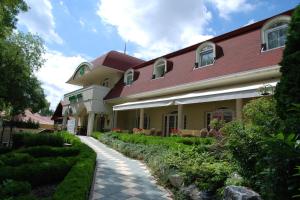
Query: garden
point(46, 166)
point(255, 153)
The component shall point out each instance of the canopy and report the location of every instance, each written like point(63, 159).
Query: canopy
point(248, 91)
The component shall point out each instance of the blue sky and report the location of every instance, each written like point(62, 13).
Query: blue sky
point(80, 30)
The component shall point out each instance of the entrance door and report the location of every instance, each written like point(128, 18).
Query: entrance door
point(170, 123)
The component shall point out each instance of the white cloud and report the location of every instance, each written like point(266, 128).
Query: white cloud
point(94, 30)
point(157, 27)
point(39, 19)
point(251, 21)
point(57, 69)
point(81, 22)
point(227, 7)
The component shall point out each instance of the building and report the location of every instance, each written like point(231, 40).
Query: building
point(185, 89)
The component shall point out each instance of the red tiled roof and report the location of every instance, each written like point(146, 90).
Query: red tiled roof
point(34, 117)
point(117, 60)
point(241, 51)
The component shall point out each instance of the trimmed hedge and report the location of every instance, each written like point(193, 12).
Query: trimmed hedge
point(38, 173)
point(15, 159)
point(47, 151)
point(28, 139)
point(77, 183)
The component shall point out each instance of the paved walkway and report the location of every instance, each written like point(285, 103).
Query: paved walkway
point(118, 177)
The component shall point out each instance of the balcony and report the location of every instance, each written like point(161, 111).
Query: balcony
point(89, 99)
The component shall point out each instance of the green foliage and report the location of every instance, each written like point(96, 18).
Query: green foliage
point(38, 173)
point(14, 188)
point(194, 158)
point(261, 114)
point(216, 124)
point(288, 89)
point(71, 167)
point(47, 151)
point(9, 9)
point(21, 54)
point(15, 159)
point(27, 124)
point(27, 139)
point(266, 158)
point(77, 183)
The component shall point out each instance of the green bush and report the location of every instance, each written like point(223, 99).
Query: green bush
point(15, 159)
point(76, 185)
point(38, 173)
point(266, 157)
point(14, 188)
point(47, 151)
point(194, 158)
point(29, 139)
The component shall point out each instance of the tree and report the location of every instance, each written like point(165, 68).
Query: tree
point(287, 92)
point(9, 9)
point(21, 55)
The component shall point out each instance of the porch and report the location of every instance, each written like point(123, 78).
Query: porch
point(188, 113)
point(86, 110)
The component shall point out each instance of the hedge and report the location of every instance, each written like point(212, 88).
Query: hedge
point(77, 183)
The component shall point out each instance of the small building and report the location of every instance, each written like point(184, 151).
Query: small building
point(181, 90)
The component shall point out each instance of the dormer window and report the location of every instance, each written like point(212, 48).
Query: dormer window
point(274, 33)
point(105, 82)
point(205, 54)
point(128, 77)
point(160, 68)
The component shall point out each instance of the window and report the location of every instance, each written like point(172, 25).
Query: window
point(105, 83)
point(274, 33)
point(160, 68)
point(220, 114)
point(146, 122)
point(128, 77)
point(205, 54)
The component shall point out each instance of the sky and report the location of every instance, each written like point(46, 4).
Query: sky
point(81, 30)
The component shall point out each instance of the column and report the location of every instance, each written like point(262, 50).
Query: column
point(64, 123)
point(90, 127)
point(115, 119)
point(238, 108)
point(76, 124)
point(141, 125)
point(179, 117)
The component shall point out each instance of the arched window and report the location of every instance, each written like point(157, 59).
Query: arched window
point(128, 77)
point(205, 54)
point(274, 32)
point(160, 68)
point(105, 82)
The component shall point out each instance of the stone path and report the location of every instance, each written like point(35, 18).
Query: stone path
point(118, 177)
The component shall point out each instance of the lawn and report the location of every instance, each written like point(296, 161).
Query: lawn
point(40, 166)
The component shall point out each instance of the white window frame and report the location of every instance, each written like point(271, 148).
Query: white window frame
point(126, 76)
point(161, 62)
point(200, 51)
point(266, 30)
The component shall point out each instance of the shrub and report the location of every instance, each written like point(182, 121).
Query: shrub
point(15, 159)
point(47, 151)
point(14, 188)
point(193, 158)
point(266, 157)
point(38, 173)
point(28, 139)
point(77, 183)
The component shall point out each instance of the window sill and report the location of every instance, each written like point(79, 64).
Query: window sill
point(264, 51)
point(158, 78)
point(201, 67)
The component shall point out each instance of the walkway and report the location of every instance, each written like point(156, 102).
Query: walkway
point(118, 177)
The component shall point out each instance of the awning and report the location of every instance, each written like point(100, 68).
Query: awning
point(198, 97)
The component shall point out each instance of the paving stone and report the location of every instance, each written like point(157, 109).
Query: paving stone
point(118, 177)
